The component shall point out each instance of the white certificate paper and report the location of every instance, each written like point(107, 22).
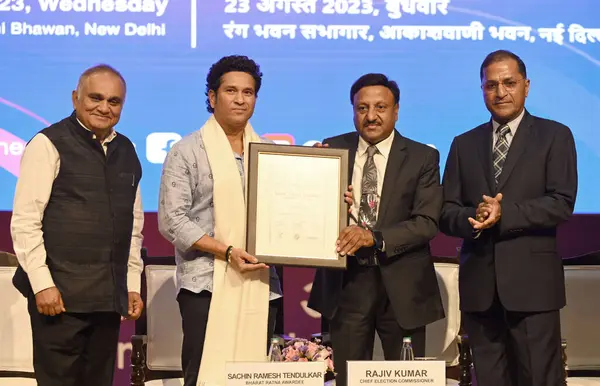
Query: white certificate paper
point(297, 196)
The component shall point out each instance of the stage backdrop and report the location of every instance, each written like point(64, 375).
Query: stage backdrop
point(310, 52)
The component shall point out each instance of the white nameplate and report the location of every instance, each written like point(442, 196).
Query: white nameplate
point(431, 373)
point(275, 373)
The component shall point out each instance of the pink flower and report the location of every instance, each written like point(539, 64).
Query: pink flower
point(303, 350)
point(312, 350)
point(290, 355)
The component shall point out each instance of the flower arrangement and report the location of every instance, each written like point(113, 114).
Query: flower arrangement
point(303, 350)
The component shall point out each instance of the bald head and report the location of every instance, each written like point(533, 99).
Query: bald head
point(100, 68)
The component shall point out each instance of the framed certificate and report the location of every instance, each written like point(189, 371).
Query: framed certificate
point(296, 206)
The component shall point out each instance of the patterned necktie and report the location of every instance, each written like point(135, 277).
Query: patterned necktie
point(500, 150)
point(369, 199)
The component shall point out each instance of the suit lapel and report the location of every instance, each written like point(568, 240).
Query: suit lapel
point(393, 169)
point(352, 146)
point(484, 144)
point(517, 146)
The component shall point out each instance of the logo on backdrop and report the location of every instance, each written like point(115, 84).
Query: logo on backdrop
point(158, 145)
point(304, 303)
point(11, 146)
point(281, 139)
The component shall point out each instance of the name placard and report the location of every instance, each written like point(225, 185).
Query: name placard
point(275, 373)
point(431, 373)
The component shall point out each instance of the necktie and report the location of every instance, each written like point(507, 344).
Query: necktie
point(500, 150)
point(369, 199)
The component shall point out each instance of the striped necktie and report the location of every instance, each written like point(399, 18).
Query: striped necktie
point(500, 150)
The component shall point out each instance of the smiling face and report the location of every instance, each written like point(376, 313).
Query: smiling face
point(233, 102)
point(375, 113)
point(504, 90)
point(99, 100)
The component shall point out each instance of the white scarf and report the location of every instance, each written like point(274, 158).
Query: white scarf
point(239, 308)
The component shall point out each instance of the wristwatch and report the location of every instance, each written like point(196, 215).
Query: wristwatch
point(378, 240)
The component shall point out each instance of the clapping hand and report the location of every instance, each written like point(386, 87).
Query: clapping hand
point(483, 211)
point(488, 213)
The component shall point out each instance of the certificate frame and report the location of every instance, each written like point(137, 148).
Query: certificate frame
point(337, 215)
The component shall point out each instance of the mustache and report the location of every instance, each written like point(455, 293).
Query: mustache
point(374, 122)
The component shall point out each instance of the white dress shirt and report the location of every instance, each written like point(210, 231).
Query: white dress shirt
point(380, 159)
point(40, 164)
point(512, 125)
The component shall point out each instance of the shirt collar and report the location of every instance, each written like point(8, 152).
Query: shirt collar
point(512, 125)
point(384, 146)
point(108, 138)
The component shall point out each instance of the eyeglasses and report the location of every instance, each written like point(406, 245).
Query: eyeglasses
point(509, 85)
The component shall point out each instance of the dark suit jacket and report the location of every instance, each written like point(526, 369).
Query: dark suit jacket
point(518, 255)
point(411, 201)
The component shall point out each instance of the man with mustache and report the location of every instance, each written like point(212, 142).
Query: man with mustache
point(390, 286)
point(508, 184)
point(76, 228)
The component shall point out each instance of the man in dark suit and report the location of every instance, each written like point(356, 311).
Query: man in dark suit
point(390, 285)
point(508, 183)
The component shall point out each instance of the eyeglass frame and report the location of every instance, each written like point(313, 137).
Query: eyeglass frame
point(508, 89)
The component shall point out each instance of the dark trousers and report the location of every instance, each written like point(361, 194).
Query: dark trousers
point(363, 309)
point(194, 314)
point(515, 348)
point(74, 349)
